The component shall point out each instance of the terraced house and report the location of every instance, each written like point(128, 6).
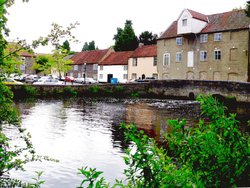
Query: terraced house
point(205, 47)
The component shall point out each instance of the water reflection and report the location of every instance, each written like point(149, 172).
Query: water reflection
point(84, 132)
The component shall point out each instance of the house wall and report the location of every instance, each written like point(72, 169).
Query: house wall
point(117, 71)
point(91, 71)
point(145, 65)
point(232, 66)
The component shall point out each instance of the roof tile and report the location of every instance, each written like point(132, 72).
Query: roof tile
point(145, 51)
point(117, 58)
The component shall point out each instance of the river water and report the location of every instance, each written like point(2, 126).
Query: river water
point(85, 132)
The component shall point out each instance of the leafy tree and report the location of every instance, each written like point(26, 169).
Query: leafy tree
point(147, 38)
point(66, 46)
point(89, 46)
point(42, 64)
point(247, 11)
point(125, 39)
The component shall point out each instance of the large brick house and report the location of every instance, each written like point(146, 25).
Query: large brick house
point(205, 47)
point(85, 64)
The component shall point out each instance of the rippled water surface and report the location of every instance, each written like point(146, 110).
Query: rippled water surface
point(86, 132)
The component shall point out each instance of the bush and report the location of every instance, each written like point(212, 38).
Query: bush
point(210, 154)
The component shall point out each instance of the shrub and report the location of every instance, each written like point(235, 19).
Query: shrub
point(94, 89)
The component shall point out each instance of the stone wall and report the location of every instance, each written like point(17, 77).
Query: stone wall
point(179, 89)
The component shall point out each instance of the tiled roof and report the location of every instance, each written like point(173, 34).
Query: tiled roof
point(198, 15)
point(89, 57)
point(117, 58)
point(233, 20)
point(26, 54)
point(145, 51)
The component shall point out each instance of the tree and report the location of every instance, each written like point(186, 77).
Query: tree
point(89, 46)
point(247, 11)
point(147, 38)
point(66, 46)
point(125, 39)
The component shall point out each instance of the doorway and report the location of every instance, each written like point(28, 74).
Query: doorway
point(110, 76)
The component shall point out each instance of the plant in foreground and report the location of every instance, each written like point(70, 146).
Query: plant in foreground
point(210, 154)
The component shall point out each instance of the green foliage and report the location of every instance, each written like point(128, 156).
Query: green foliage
point(29, 91)
point(94, 89)
point(135, 94)
point(66, 46)
point(69, 91)
point(119, 89)
point(89, 46)
point(125, 39)
point(212, 154)
point(147, 38)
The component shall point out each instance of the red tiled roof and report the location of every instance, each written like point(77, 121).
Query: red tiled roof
point(117, 58)
point(145, 51)
point(233, 20)
point(89, 57)
point(198, 15)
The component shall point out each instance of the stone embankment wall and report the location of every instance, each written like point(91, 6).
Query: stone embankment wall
point(178, 89)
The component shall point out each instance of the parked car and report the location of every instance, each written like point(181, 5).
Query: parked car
point(11, 81)
point(69, 79)
point(48, 81)
point(86, 80)
point(31, 78)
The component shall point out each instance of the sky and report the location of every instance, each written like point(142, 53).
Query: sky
point(99, 19)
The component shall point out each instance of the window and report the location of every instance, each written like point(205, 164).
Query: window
point(166, 59)
point(217, 54)
point(184, 22)
point(179, 41)
point(125, 67)
point(178, 57)
point(203, 55)
point(155, 61)
point(101, 67)
point(217, 37)
point(203, 38)
point(75, 67)
point(134, 76)
point(95, 66)
point(100, 76)
point(125, 76)
point(134, 62)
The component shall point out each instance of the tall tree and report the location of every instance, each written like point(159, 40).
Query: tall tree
point(125, 39)
point(89, 46)
point(66, 46)
point(147, 38)
point(248, 8)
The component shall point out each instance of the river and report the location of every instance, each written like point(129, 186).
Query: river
point(85, 132)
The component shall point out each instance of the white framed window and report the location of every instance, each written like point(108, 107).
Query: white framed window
point(203, 55)
point(217, 55)
point(95, 66)
point(125, 76)
point(125, 67)
point(134, 62)
point(134, 76)
point(155, 61)
point(179, 41)
point(217, 36)
point(100, 76)
point(184, 22)
point(22, 67)
point(178, 57)
point(203, 38)
point(166, 59)
point(101, 67)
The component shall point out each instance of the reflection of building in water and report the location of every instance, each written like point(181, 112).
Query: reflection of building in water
point(146, 118)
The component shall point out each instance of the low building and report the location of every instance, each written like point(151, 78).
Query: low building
point(28, 61)
point(114, 66)
point(205, 47)
point(85, 64)
point(143, 63)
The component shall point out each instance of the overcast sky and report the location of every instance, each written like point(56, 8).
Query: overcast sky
point(99, 19)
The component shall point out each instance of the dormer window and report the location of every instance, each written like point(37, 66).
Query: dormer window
point(217, 36)
point(184, 22)
point(179, 41)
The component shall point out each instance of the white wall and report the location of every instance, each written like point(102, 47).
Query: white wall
point(117, 71)
point(193, 25)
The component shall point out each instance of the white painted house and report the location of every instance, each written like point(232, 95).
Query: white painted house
point(114, 66)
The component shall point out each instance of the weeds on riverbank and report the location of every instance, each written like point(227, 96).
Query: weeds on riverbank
point(213, 153)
